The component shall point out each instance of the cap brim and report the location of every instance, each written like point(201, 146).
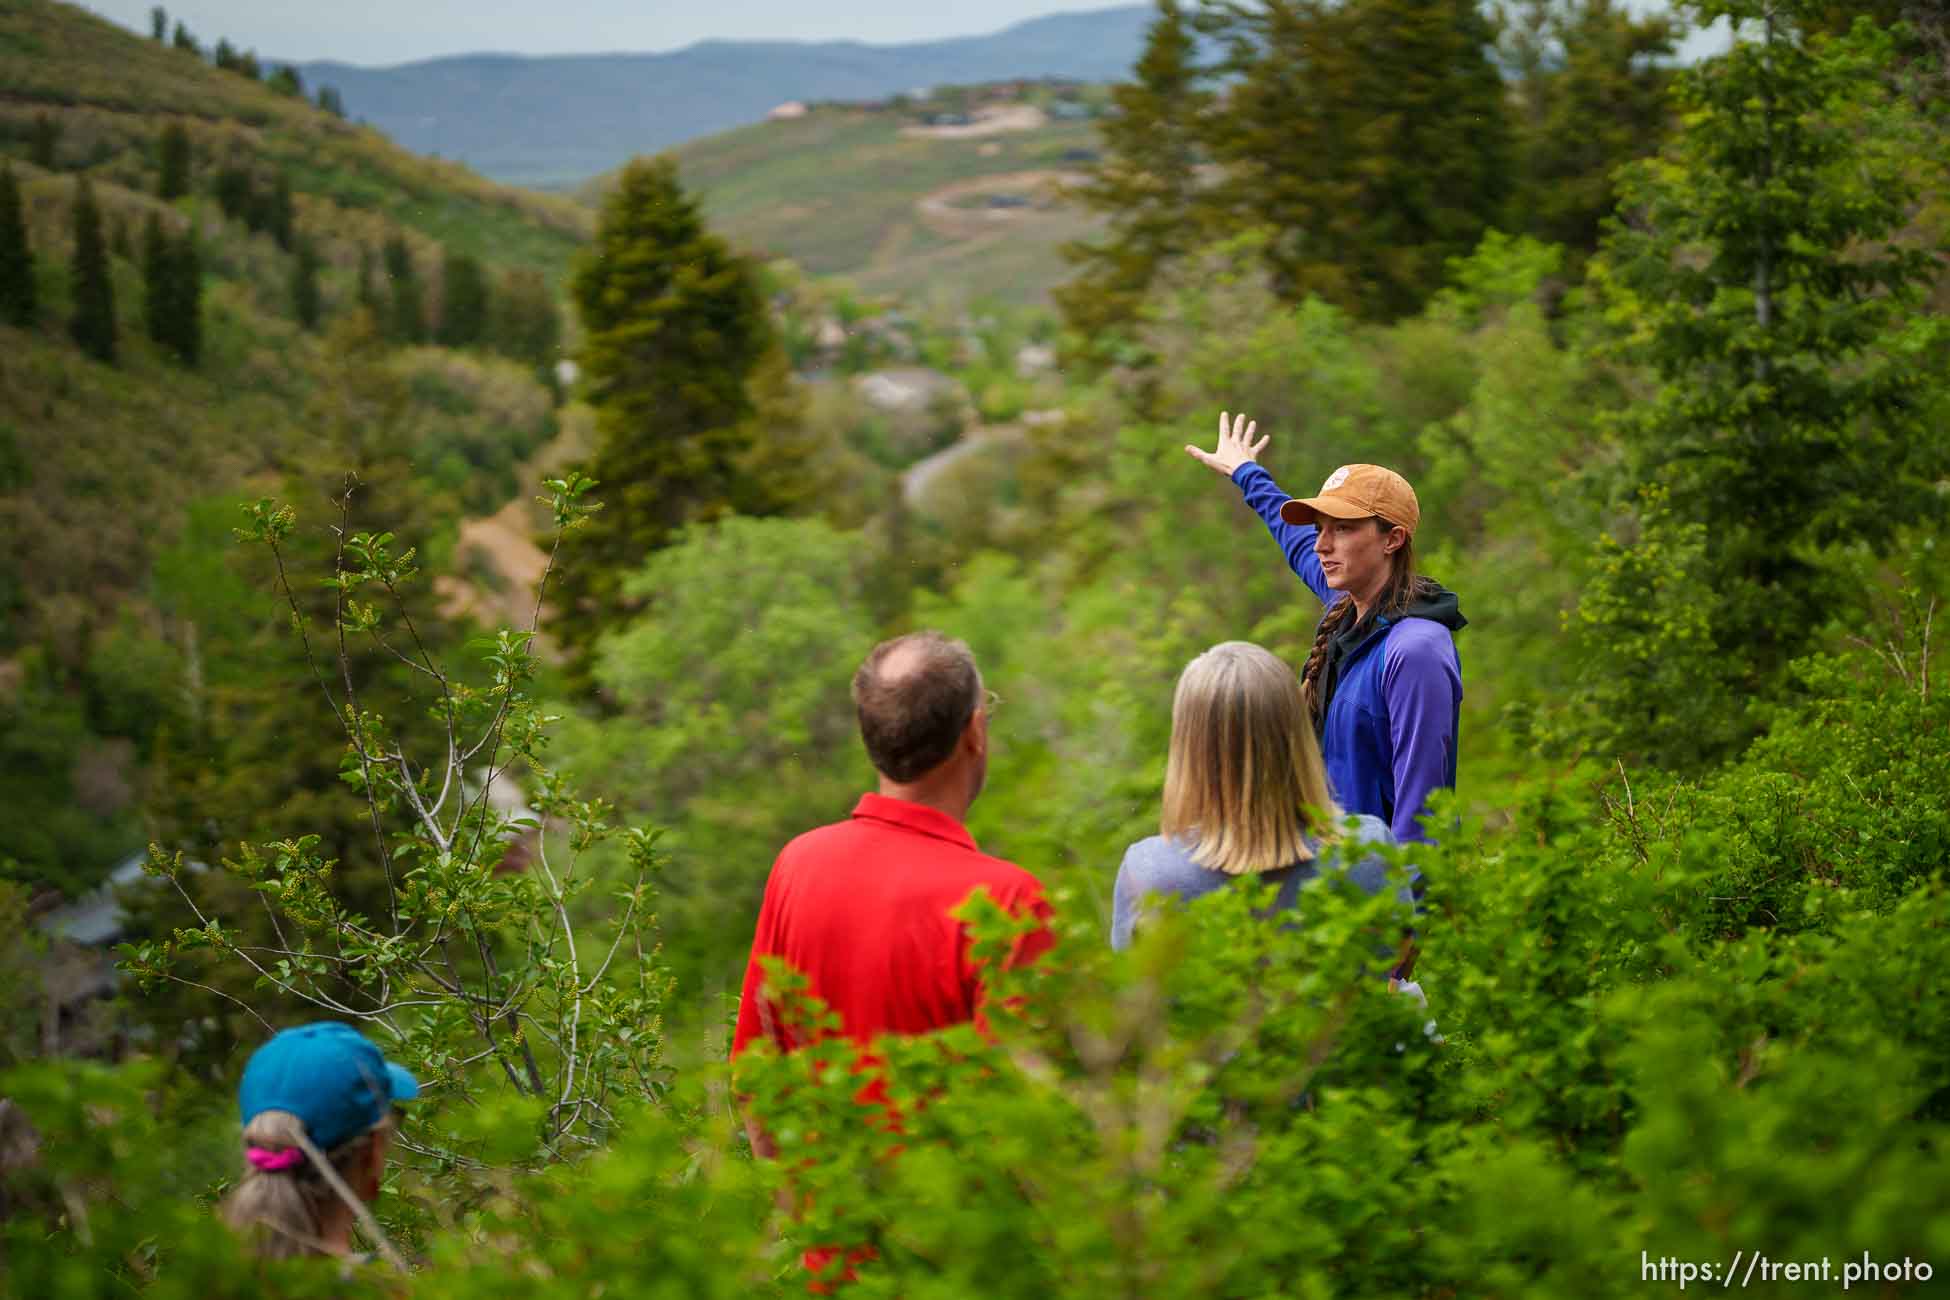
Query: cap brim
point(1308, 510)
point(405, 1087)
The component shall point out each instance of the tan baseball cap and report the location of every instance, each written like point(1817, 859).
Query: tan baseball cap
point(1358, 492)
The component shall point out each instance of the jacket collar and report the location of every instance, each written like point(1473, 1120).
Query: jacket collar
point(914, 817)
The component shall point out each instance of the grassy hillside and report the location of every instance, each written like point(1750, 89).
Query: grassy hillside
point(111, 93)
point(864, 194)
point(120, 594)
point(559, 120)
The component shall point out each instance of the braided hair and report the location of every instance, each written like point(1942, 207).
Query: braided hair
point(1401, 590)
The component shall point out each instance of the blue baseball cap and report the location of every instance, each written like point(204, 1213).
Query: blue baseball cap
point(327, 1074)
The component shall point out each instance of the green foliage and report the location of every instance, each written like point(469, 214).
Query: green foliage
point(674, 335)
point(45, 143)
point(172, 282)
point(306, 307)
point(1768, 285)
point(463, 302)
point(406, 320)
point(1593, 81)
point(732, 720)
point(182, 40)
point(19, 297)
point(1148, 186)
point(524, 322)
point(173, 162)
point(284, 79)
point(93, 323)
point(331, 102)
point(1389, 157)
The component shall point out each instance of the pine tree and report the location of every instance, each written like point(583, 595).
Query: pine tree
point(674, 328)
point(226, 55)
point(1765, 280)
point(172, 291)
point(45, 141)
point(369, 298)
point(1369, 138)
point(185, 42)
point(285, 80)
point(186, 298)
point(525, 323)
point(305, 304)
point(1147, 185)
point(93, 325)
point(175, 162)
point(406, 318)
point(19, 296)
point(278, 211)
point(236, 196)
point(330, 101)
point(1593, 90)
point(159, 24)
point(463, 301)
point(155, 280)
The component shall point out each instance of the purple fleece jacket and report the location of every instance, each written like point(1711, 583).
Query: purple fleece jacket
point(1389, 733)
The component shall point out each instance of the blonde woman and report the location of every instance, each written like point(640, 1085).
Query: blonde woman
point(1245, 793)
point(317, 1106)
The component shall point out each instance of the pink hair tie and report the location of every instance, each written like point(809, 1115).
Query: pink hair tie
point(272, 1161)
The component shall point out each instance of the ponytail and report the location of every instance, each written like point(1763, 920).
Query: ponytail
point(290, 1187)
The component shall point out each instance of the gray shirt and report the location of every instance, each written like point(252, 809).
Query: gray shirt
point(1161, 866)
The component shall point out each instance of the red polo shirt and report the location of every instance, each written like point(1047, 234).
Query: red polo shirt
point(861, 908)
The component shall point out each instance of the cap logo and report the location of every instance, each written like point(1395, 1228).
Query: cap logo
point(1335, 479)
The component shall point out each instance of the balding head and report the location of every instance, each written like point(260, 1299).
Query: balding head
point(915, 695)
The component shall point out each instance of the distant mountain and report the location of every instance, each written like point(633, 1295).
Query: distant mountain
point(558, 119)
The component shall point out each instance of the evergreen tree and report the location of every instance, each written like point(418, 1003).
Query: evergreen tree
point(285, 80)
point(525, 323)
point(159, 24)
point(674, 328)
point(186, 298)
point(406, 315)
point(330, 101)
point(175, 164)
point(185, 42)
point(236, 195)
point(155, 280)
point(305, 304)
point(463, 301)
point(1592, 87)
point(278, 211)
point(1147, 185)
point(1764, 279)
point(248, 66)
point(369, 297)
point(1369, 139)
point(172, 290)
point(45, 141)
point(19, 296)
point(226, 55)
point(93, 325)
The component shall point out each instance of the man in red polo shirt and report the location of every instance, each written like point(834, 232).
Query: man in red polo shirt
point(861, 907)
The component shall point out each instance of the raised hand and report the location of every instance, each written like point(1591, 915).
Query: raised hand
point(1236, 445)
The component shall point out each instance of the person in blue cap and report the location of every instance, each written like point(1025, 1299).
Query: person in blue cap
point(317, 1109)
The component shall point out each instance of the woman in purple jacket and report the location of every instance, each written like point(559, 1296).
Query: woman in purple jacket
point(1383, 683)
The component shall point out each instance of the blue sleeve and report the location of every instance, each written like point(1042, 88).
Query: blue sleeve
point(1123, 906)
point(1297, 540)
point(1421, 680)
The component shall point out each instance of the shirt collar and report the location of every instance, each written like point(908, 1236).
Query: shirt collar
point(914, 817)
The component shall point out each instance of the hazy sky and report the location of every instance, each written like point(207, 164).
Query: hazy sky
point(398, 31)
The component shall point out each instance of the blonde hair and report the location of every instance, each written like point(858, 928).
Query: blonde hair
point(1244, 778)
point(285, 1210)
